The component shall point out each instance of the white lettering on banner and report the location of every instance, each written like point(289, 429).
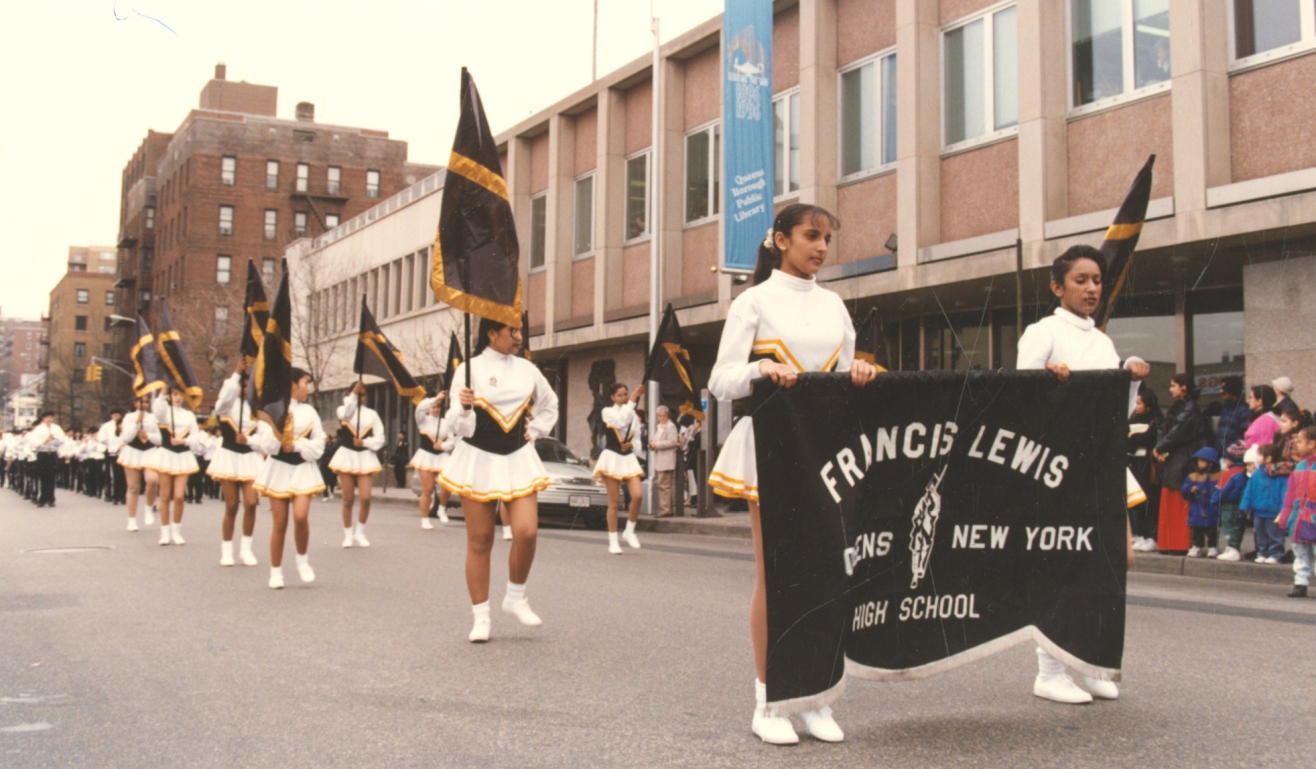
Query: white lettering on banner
point(870, 545)
point(1059, 537)
point(970, 537)
point(869, 614)
point(961, 606)
point(998, 446)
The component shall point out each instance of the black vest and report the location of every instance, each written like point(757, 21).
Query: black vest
point(289, 457)
point(347, 439)
point(165, 436)
point(613, 441)
point(427, 444)
point(138, 443)
point(490, 436)
point(229, 436)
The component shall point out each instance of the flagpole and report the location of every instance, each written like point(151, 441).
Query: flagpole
point(655, 229)
point(467, 367)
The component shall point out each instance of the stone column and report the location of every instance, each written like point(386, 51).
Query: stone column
point(1199, 59)
point(818, 103)
point(918, 125)
point(609, 203)
point(558, 227)
point(1043, 126)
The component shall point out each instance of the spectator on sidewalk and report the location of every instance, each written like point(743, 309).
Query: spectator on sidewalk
point(664, 446)
point(689, 452)
point(1233, 480)
point(1144, 424)
point(1235, 416)
point(401, 458)
point(1201, 490)
point(1262, 499)
point(1182, 434)
point(1284, 394)
point(1299, 513)
point(1291, 422)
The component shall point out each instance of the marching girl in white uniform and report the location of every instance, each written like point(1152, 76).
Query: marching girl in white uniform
point(430, 456)
point(1070, 340)
point(508, 406)
point(139, 435)
point(174, 461)
point(617, 463)
point(290, 477)
point(356, 462)
point(235, 466)
point(784, 326)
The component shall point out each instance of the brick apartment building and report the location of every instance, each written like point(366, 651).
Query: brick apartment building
point(80, 329)
point(22, 354)
point(235, 183)
point(1004, 121)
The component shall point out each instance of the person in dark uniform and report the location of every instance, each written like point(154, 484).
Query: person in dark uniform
point(400, 458)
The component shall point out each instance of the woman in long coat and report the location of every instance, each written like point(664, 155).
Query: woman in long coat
point(1183, 432)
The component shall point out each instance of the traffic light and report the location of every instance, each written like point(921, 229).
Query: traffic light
point(93, 373)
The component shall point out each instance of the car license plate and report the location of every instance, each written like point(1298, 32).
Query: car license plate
point(578, 500)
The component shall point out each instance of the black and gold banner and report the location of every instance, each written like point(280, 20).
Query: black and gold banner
point(476, 252)
point(669, 366)
point(930, 519)
point(269, 385)
point(1121, 238)
point(376, 356)
point(870, 343)
point(255, 313)
point(147, 371)
point(455, 359)
point(174, 359)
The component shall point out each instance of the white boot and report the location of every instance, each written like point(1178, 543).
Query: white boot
point(480, 628)
point(613, 546)
point(822, 726)
point(425, 523)
point(276, 577)
point(164, 533)
point(226, 553)
point(516, 604)
point(1054, 684)
point(774, 730)
point(132, 524)
point(507, 533)
point(176, 533)
point(1102, 690)
point(247, 557)
point(304, 569)
point(347, 537)
point(443, 514)
point(359, 534)
point(629, 535)
point(150, 515)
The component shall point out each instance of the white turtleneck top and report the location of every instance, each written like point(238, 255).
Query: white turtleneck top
point(505, 386)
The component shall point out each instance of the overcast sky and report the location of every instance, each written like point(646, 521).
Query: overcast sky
point(81, 82)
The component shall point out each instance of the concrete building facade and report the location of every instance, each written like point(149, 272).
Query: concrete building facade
point(81, 329)
point(987, 137)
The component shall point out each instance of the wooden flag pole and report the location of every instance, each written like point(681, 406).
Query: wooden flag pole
point(468, 353)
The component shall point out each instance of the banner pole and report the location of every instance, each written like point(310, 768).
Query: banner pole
point(467, 321)
point(1018, 288)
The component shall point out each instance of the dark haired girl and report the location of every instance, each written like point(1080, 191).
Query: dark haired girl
point(784, 326)
point(1183, 432)
point(617, 463)
point(236, 466)
point(174, 461)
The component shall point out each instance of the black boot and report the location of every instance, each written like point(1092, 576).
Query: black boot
point(1298, 591)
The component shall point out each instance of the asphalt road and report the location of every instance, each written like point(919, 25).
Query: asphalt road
point(136, 655)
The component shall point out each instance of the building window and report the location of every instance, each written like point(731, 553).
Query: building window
point(786, 143)
point(79, 322)
point(221, 321)
point(107, 349)
point(538, 229)
point(109, 298)
point(144, 298)
point(75, 267)
point(223, 269)
point(228, 170)
point(108, 323)
point(334, 180)
point(981, 86)
point(584, 215)
point(703, 174)
point(299, 224)
point(79, 349)
point(330, 221)
point(1264, 30)
point(303, 177)
point(271, 174)
point(271, 224)
point(148, 218)
point(148, 256)
point(372, 184)
point(637, 196)
point(226, 220)
point(1120, 47)
point(84, 296)
point(868, 118)
point(267, 267)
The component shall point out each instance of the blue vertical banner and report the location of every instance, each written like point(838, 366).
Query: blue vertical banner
point(746, 130)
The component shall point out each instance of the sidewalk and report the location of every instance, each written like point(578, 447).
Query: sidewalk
point(736, 525)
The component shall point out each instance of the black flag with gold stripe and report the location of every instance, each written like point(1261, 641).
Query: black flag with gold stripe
point(1121, 239)
point(147, 376)
point(377, 356)
point(669, 365)
point(455, 359)
point(476, 252)
point(174, 359)
point(255, 312)
point(269, 387)
point(870, 343)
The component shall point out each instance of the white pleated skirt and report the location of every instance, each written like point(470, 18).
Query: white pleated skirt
point(616, 466)
point(736, 474)
point(427, 462)
point(232, 466)
point(1134, 494)
point(281, 480)
point(173, 462)
point(134, 458)
point(482, 476)
point(352, 462)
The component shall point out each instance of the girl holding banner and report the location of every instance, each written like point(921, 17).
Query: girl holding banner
point(430, 456)
point(617, 463)
point(174, 461)
point(140, 434)
point(784, 326)
point(360, 436)
point(508, 405)
point(236, 465)
point(1069, 340)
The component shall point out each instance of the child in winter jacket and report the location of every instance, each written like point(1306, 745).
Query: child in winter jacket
point(1263, 498)
point(1203, 494)
point(1233, 522)
point(1299, 513)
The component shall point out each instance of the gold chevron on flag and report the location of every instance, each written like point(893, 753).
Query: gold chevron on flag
point(1121, 240)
